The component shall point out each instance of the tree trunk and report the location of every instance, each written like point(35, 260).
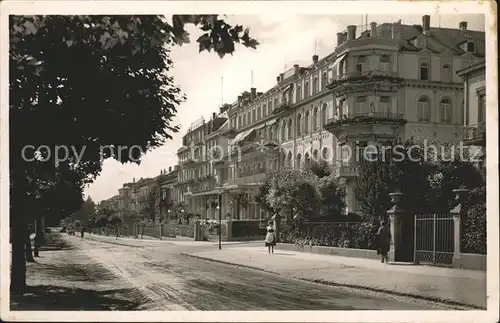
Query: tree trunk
point(18, 268)
point(28, 249)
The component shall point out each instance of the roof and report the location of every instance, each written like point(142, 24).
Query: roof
point(472, 68)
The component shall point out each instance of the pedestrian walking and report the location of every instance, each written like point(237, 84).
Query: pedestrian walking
point(270, 237)
point(383, 241)
point(82, 231)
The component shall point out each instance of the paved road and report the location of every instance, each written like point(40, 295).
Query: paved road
point(155, 276)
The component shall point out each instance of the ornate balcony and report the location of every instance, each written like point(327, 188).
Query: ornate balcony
point(375, 124)
point(249, 180)
point(363, 77)
point(475, 134)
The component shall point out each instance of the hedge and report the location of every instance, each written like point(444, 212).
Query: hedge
point(474, 230)
point(355, 235)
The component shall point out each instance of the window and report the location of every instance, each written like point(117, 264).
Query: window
point(289, 159)
point(361, 105)
point(254, 115)
point(361, 60)
point(315, 155)
point(324, 114)
point(342, 67)
point(324, 80)
point(445, 111)
point(244, 119)
point(259, 112)
point(306, 122)
point(481, 113)
point(276, 102)
point(307, 159)
point(269, 108)
point(283, 130)
point(315, 86)
point(299, 121)
point(324, 154)
point(385, 60)
point(289, 128)
point(307, 90)
point(385, 108)
point(424, 72)
point(423, 110)
point(315, 119)
point(299, 93)
point(446, 76)
point(471, 47)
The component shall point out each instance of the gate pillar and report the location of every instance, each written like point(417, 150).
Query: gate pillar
point(458, 213)
point(402, 231)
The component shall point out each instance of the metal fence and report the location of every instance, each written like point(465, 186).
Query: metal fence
point(434, 238)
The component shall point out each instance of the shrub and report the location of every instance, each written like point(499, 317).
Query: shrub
point(474, 230)
point(356, 235)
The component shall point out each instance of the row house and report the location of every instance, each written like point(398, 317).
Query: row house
point(197, 177)
point(396, 82)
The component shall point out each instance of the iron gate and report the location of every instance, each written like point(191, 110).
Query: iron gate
point(434, 238)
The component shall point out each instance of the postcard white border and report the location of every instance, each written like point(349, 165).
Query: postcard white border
point(258, 7)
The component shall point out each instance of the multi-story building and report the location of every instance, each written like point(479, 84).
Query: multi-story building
point(197, 178)
point(475, 110)
point(396, 81)
point(167, 181)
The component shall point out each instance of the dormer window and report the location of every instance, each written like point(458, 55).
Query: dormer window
point(471, 47)
point(424, 71)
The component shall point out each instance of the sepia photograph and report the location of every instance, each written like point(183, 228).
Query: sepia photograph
point(238, 161)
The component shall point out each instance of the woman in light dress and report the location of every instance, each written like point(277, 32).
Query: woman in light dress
point(270, 237)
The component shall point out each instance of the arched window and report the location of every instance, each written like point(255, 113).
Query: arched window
point(254, 115)
point(244, 119)
point(315, 155)
point(289, 159)
point(298, 162)
point(307, 90)
point(299, 121)
point(315, 118)
point(424, 71)
point(289, 129)
point(306, 122)
point(315, 86)
point(298, 95)
point(324, 80)
point(259, 113)
point(324, 154)
point(447, 74)
point(424, 113)
point(290, 94)
point(445, 111)
point(324, 114)
point(248, 117)
point(269, 108)
point(307, 159)
point(276, 102)
point(283, 130)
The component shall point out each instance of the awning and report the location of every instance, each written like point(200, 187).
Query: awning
point(271, 122)
point(339, 59)
point(241, 136)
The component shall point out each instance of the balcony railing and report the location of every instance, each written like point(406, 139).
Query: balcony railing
point(364, 76)
point(251, 179)
point(366, 117)
point(475, 132)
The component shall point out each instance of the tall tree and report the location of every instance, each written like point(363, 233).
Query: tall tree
point(76, 76)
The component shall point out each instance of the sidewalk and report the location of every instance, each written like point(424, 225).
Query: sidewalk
point(458, 286)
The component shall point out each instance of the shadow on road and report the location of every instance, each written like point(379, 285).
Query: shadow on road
point(57, 298)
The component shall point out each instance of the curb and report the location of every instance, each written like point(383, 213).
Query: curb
point(116, 243)
point(353, 286)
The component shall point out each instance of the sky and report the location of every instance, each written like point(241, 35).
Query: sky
point(208, 80)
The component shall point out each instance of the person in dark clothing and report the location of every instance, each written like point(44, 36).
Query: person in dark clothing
point(82, 231)
point(384, 241)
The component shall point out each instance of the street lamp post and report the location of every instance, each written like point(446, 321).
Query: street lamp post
point(220, 220)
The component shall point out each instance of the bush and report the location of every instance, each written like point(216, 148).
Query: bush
point(474, 230)
point(356, 235)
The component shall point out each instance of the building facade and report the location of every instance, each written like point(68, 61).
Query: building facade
point(396, 82)
point(474, 135)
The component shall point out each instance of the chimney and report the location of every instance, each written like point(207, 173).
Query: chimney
point(463, 26)
point(339, 39)
point(169, 169)
point(164, 171)
point(315, 59)
point(373, 27)
point(278, 79)
point(133, 180)
point(295, 69)
point(351, 32)
point(426, 25)
point(214, 115)
point(253, 91)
